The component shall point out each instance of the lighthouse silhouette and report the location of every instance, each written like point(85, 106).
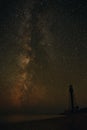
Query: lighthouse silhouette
point(71, 91)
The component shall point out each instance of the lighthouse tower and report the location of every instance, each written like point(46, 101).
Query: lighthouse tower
point(71, 97)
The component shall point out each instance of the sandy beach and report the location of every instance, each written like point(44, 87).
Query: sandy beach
point(69, 122)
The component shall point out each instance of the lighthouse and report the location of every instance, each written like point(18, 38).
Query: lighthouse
point(71, 91)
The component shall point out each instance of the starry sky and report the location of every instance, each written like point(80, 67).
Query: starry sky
point(43, 49)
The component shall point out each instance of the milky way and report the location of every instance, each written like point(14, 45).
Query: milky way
point(25, 91)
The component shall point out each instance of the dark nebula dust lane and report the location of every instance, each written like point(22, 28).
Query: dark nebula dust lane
point(42, 50)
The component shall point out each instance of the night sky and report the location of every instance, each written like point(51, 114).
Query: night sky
point(43, 49)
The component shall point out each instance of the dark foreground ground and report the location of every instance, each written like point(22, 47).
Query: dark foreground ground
point(69, 122)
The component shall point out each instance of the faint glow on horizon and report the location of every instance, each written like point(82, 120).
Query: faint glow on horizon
point(16, 95)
